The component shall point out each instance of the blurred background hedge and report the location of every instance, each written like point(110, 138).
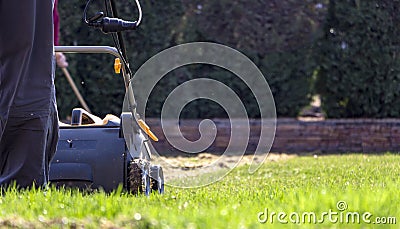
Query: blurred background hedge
point(359, 65)
point(347, 52)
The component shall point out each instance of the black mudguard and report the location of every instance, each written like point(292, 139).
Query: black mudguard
point(90, 157)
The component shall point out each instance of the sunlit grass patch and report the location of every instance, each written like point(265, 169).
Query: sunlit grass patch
point(365, 183)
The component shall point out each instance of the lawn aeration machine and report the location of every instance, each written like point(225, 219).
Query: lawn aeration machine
point(106, 153)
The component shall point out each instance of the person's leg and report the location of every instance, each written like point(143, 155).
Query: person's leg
point(15, 53)
point(28, 132)
point(23, 145)
point(16, 18)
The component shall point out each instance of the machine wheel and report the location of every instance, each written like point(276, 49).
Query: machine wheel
point(157, 179)
point(138, 177)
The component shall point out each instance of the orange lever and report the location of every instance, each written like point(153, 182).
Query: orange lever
point(147, 130)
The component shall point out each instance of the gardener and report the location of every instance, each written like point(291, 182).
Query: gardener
point(28, 115)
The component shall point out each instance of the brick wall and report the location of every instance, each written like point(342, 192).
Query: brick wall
point(295, 136)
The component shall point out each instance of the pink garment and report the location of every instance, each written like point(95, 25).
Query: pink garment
point(56, 22)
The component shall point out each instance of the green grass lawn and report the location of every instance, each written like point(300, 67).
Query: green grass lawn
point(368, 184)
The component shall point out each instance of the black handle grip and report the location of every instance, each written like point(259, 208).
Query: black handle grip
point(113, 25)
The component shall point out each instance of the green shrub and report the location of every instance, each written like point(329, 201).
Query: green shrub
point(359, 61)
point(277, 36)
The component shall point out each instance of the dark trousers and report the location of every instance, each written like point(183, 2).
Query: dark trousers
point(28, 115)
point(26, 149)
